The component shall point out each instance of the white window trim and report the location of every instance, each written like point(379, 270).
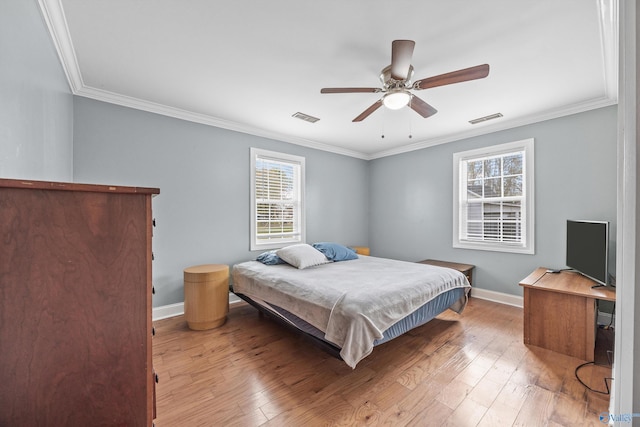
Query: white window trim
point(528, 246)
point(281, 157)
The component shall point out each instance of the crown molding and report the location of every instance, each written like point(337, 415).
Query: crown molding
point(54, 17)
point(499, 126)
point(609, 29)
point(152, 107)
point(143, 105)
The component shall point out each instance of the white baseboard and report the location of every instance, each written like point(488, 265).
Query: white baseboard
point(517, 301)
point(177, 309)
point(502, 298)
point(165, 311)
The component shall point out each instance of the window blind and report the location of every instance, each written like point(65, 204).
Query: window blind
point(494, 199)
point(277, 199)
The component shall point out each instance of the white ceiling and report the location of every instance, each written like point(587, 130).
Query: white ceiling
point(249, 65)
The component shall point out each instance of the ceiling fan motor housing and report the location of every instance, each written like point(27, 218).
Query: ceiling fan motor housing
point(390, 83)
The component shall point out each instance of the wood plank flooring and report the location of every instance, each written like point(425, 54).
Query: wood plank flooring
point(457, 370)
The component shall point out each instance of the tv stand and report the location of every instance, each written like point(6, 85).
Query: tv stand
point(560, 311)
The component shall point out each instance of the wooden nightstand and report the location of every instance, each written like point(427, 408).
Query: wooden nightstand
point(361, 250)
point(466, 269)
point(206, 296)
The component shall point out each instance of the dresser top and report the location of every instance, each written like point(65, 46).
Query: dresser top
point(72, 186)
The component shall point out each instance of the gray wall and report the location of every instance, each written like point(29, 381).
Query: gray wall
point(203, 175)
point(575, 178)
point(573, 173)
point(36, 105)
point(401, 206)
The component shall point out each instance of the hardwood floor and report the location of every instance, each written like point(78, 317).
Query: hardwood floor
point(458, 370)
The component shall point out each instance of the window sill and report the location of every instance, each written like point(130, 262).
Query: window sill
point(494, 247)
point(276, 245)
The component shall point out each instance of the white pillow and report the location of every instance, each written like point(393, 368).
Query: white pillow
point(302, 256)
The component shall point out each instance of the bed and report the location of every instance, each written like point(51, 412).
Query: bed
point(350, 306)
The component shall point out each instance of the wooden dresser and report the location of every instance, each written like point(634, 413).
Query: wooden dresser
point(75, 304)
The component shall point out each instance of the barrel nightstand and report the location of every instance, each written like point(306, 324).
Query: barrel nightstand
point(206, 296)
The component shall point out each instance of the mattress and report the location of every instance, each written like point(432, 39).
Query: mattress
point(418, 318)
point(353, 303)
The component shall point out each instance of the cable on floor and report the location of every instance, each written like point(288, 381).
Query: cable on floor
point(606, 384)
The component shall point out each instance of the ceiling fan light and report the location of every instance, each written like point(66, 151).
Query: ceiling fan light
point(396, 100)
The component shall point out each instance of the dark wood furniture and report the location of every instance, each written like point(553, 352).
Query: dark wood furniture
point(466, 269)
point(75, 304)
point(560, 312)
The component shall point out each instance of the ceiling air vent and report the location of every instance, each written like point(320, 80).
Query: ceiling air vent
point(305, 117)
point(485, 118)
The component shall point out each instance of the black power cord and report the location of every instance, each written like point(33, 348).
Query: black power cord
point(613, 313)
point(606, 384)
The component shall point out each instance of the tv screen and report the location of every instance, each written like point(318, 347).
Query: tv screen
point(588, 248)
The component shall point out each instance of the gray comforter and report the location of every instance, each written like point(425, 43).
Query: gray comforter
point(352, 302)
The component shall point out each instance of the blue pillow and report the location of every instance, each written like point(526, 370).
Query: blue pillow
point(270, 258)
point(335, 252)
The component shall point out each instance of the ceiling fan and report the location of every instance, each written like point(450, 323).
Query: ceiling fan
point(396, 82)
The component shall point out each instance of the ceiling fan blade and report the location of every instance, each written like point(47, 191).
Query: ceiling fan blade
point(472, 73)
point(368, 111)
point(350, 89)
point(401, 54)
point(421, 107)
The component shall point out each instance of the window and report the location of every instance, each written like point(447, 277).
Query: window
point(277, 199)
point(493, 198)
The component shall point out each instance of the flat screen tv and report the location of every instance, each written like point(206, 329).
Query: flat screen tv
point(588, 248)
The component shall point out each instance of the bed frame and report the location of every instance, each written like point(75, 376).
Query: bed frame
point(324, 345)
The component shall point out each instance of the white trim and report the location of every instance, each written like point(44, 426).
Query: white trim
point(603, 318)
point(53, 15)
point(528, 245)
point(177, 309)
point(499, 297)
point(152, 107)
point(167, 311)
point(502, 124)
point(300, 236)
point(172, 310)
point(625, 351)
point(609, 27)
point(139, 104)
